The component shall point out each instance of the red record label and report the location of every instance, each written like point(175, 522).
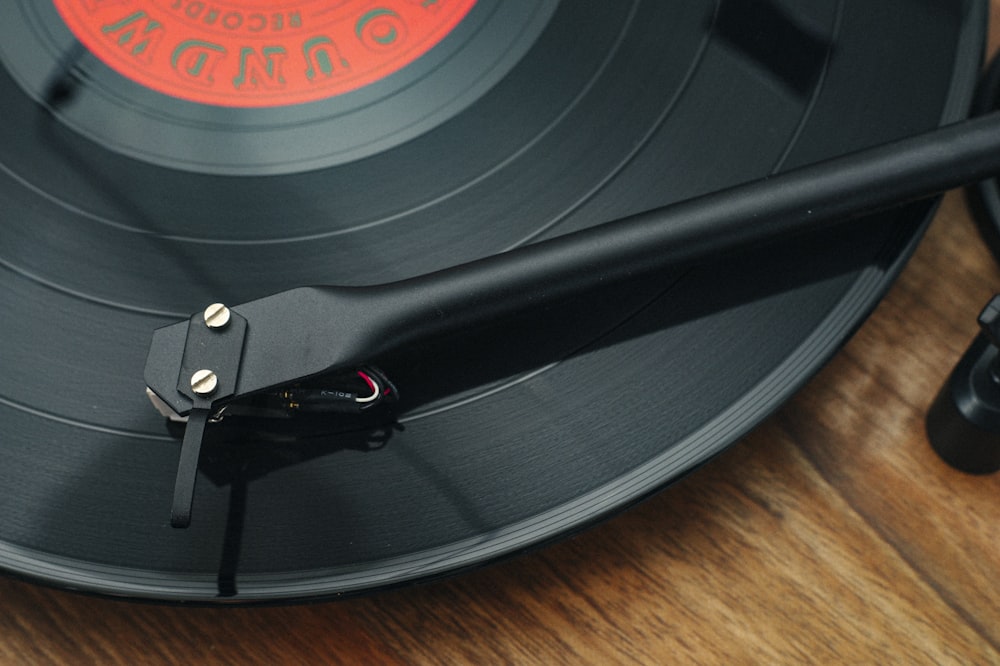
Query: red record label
point(259, 53)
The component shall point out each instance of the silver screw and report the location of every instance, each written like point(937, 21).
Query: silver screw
point(216, 315)
point(204, 382)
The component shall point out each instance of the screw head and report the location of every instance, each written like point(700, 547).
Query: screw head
point(216, 315)
point(204, 382)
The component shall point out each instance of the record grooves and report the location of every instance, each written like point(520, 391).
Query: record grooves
point(126, 209)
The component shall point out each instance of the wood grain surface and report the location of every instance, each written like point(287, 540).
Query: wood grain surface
point(831, 534)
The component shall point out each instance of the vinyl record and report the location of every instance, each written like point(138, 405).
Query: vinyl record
point(160, 155)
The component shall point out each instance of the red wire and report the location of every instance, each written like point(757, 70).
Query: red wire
point(371, 383)
point(368, 380)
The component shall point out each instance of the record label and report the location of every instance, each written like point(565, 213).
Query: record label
point(257, 53)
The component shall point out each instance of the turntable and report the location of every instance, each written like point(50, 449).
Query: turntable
point(159, 156)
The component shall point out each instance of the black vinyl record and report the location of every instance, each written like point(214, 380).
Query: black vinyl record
point(125, 208)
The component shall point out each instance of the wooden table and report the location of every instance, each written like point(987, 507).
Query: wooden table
point(832, 533)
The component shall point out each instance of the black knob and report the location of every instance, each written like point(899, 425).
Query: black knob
point(963, 423)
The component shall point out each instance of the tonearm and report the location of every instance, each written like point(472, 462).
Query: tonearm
point(225, 355)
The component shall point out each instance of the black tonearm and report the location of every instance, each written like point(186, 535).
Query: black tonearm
point(197, 367)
